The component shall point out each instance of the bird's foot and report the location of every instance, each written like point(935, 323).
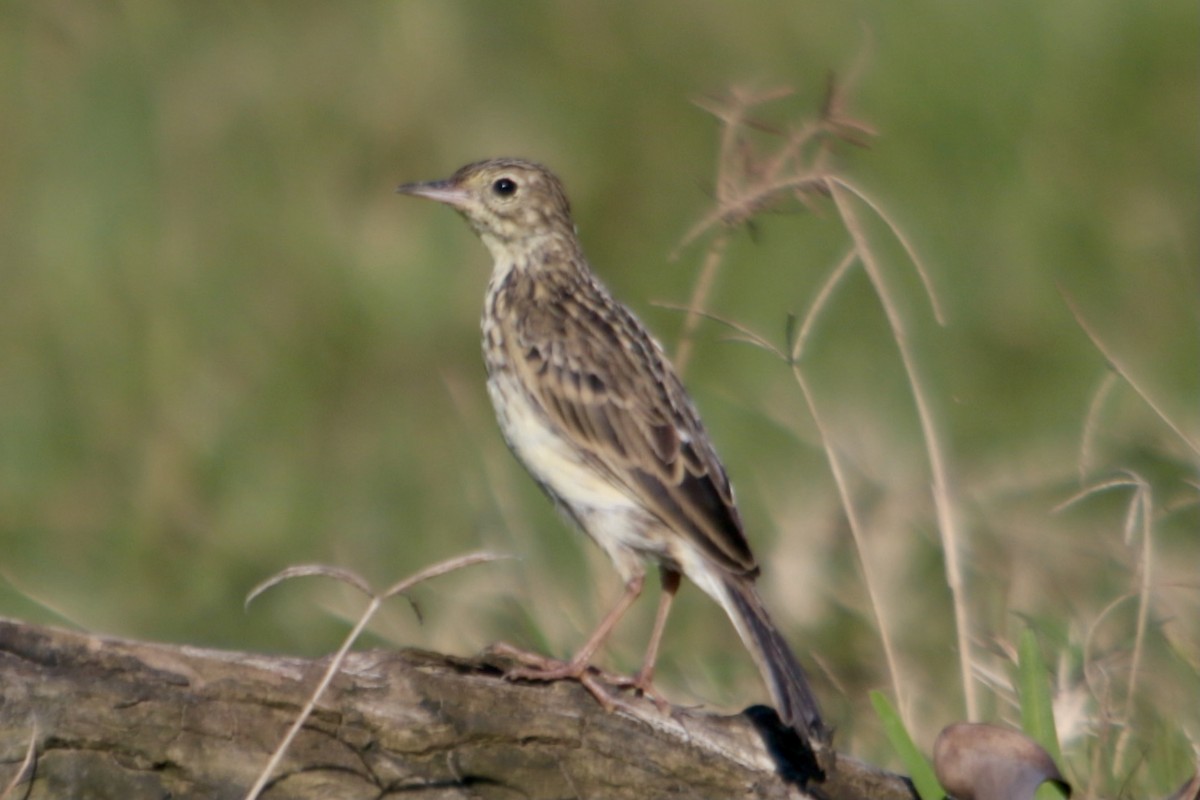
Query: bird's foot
point(642, 684)
point(537, 667)
point(599, 682)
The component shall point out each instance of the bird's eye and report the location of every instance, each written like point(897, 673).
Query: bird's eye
point(505, 187)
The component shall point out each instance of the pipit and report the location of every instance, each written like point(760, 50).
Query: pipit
point(589, 403)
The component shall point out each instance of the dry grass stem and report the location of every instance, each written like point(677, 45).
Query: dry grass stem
point(1091, 424)
point(61, 613)
point(820, 301)
point(909, 250)
point(1120, 368)
point(749, 183)
point(335, 663)
point(1139, 518)
point(1098, 677)
point(942, 493)
point(25, 770)
point(306, 571)
point(870, 580)
point(699, 300)
point(744, 334)
point(1142, 510)
point(840, 475)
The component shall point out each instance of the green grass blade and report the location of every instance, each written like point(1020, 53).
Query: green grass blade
point(919, 768)
point(1037, 707)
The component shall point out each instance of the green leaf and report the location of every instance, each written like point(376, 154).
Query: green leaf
point(919, 768)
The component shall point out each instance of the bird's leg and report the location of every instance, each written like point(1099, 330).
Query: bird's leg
point(670, 585)
point(547, 669)
point(542, 668)
point(644, 680)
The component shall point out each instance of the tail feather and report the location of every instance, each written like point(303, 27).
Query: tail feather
point(785, 678)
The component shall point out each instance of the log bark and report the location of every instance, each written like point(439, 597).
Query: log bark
point(112, 718)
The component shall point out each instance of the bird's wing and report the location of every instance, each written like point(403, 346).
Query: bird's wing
point(601, 377)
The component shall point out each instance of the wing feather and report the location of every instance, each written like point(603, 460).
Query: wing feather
point(605, 382)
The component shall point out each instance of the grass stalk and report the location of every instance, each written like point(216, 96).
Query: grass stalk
point(948, 526)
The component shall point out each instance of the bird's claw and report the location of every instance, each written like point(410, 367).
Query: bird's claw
point(597, 681)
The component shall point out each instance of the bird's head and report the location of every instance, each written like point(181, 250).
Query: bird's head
point(507, 201)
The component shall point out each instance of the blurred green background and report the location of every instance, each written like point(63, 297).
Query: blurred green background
point(226, 346)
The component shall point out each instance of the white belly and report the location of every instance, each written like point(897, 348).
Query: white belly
point(606, 511)
point(546, 455)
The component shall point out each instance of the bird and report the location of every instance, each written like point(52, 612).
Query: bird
point(590, 404)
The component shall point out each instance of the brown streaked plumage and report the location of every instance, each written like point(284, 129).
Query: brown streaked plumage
point(589, 403)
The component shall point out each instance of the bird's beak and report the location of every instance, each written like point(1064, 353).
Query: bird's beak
point(442, 191)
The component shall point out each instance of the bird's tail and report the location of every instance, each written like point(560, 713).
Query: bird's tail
point(785, 678)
